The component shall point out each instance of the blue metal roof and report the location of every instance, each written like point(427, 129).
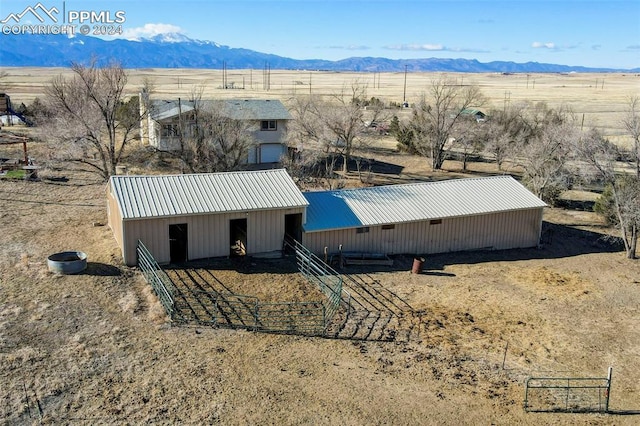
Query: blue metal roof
point(415, 202)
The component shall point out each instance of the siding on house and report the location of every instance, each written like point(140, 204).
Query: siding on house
point(166, 113)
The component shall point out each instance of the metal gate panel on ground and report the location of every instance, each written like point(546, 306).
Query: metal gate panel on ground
point(568, 394)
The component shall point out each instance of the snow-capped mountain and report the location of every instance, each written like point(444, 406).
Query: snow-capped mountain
point(174, 50)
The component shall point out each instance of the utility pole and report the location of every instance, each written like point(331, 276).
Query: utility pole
point(404, 94)
point(507, 99)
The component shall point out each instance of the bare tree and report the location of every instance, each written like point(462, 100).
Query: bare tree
point(544, 139)
point(631, 123)
point(620, 202)
point(210, 139)
point(337, 124)
point(89, 120)
point(503, 132)
point(544, 160)
point(436, 116)
point(470, 140)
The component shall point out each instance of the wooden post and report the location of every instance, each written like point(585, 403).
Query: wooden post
point(608, 395)
point(504, 359)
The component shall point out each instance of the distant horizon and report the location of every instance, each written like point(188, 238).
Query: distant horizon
point(151, 38)
point(580, 33)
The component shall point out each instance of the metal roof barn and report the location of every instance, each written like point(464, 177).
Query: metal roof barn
point(428, 217)
point(207, 213)
point(186, 217)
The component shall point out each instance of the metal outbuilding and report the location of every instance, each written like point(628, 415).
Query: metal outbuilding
point(187, 217)
point(427, 217)
point(195, 216)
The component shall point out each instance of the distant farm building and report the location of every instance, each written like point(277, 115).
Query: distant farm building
point(478, 115)
point(8, 116)
point(267, 118)
point(188, 217)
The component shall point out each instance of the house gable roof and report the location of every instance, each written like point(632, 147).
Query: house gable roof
point(416, 202)
point(237, 109)
point(140, 197)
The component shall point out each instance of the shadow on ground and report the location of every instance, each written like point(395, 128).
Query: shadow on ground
point(558, 241)
point(102, 270)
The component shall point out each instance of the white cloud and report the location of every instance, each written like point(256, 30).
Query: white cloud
point(415, 47)
point(431, 48)
point(539, 45)
point(151, 30)
point(350, 47)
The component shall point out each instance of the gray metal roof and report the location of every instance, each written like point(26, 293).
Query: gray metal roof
point(416, 202)
point(141, 197)
point(238, 109)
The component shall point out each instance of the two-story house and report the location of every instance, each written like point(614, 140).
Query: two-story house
point(267, 123)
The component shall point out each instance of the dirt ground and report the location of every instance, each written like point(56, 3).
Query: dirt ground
point(96, 348)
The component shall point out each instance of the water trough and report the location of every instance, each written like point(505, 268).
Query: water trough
point(67, 262)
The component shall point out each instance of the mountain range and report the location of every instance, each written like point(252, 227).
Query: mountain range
point(179, 51)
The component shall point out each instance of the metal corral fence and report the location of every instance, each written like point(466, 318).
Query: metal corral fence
point(568, 394)
point(327, 279)
point(157, 278)
point(243, 311)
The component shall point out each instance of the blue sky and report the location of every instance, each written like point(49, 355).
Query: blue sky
point(570, 32)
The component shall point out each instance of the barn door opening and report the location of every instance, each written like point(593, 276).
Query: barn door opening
point(238, 237)
point(293, 226)
point(178, 243)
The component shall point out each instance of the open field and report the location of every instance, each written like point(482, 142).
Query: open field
point(95, 348)
point(598, 99)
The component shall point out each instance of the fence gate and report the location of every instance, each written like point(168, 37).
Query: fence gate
point(568, 394)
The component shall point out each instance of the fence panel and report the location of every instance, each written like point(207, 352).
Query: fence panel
point(237, 311)
point(306, 318)
point(327, 279)
point(241, 311)
point(568, 394)
point(157, 278)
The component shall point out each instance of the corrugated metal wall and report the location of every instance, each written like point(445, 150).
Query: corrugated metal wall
point(497, 231)
point(208, 235)
point(114, 218)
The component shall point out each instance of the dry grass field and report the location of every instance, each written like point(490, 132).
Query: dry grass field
point(598, 99)
point(95, 348)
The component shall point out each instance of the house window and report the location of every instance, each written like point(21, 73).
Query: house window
point(435, 221)
point(363, 230)
point(169, 130)
point(268, 125)
point(388, 227)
